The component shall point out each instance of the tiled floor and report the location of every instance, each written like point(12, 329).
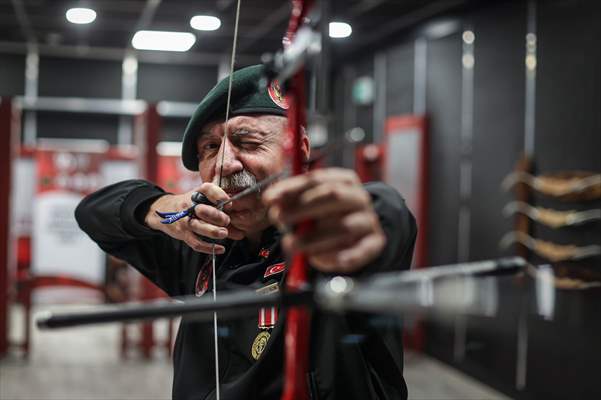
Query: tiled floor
point(84, 364)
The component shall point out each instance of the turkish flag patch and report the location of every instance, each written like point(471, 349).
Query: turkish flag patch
point(274, 269)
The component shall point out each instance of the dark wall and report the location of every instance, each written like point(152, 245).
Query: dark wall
point(498, 138)
point(101, 79)
point(568, 137)
point(64, 125)
point(172, 129)
point(563, 352)
point(568, 86)
point(187, 83)
point(67, 77)
point(399, 74)
point(82, 78)
point(443, 102)
point(12, 74)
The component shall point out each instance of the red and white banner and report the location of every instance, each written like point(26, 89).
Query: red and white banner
point(63, 178)
point(174, 177)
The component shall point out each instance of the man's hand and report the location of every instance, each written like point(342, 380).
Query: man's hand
point(209, 221)
point(346, 234)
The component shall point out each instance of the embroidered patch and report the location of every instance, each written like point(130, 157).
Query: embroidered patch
point(275, 93)
point(271, 288)
point(264, 253)
point(274, 269)
point(202, 280)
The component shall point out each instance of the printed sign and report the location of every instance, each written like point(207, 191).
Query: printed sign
point(59, 247)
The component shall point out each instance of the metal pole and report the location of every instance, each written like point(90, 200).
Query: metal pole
point(465, 174)
point(380, 63)
point(129, 88)
point(420, 76)
point(529, 140)
point(30, 127)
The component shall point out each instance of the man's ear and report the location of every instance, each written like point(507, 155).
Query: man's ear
point(305, 147)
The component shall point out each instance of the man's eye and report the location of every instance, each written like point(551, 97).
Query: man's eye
point(208, 150)
point(249, 145)
point(210, 146)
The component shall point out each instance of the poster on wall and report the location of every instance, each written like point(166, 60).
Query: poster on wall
point(405, 168)
point(172, 175)
point(59, 247)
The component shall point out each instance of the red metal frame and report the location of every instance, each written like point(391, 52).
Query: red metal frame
point(368, 162)
point(6, 157)
point(147, 139)
point(398, 125)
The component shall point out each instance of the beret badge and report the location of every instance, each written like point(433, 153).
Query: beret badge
point(275, 93)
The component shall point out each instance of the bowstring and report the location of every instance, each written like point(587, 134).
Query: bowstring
point(225, 135)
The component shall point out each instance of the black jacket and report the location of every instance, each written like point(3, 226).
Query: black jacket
point(352, 356)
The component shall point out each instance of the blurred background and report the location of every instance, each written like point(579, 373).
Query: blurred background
point(485, 115)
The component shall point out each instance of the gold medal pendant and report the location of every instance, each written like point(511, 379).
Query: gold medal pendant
point(259, 344)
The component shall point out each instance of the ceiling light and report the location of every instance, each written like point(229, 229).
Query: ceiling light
point(468, 37)
point(205, 23)
point(340, 30)
point(80, 15)
point(163, 40)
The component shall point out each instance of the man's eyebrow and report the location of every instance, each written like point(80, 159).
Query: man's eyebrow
point(204, 134)
point(245, 128)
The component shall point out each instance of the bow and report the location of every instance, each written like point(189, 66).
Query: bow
point(289, 69)
point(296, 362)
point(286, 69)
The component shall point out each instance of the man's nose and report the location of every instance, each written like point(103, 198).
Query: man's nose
point(227, 161)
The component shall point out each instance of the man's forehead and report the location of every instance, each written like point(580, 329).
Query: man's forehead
point(259, 121)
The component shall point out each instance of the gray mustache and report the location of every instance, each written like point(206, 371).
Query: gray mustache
point(238, 181)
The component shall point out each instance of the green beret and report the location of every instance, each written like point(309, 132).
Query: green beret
point(248, 97)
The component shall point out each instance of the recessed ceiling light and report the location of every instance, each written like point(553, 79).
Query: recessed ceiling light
point(205, 22)
point(340, 30)
point(163, 40)
point(80, 15)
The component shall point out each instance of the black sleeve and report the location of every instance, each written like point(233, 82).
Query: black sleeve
point(399, 227)
point(113, 218)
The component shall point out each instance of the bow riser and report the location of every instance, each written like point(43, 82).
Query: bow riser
point(298, 318)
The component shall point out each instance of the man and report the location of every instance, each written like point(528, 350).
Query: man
point(357, 230)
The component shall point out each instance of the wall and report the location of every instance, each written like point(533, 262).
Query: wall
point(561, 354)
point(93, 78)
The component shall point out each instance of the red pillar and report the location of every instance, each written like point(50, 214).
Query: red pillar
point(148, 145)
point(6, 156)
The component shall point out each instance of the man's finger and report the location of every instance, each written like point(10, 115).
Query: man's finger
point(235, 233)
point(205, 229)
point(364, 251)
point(211, 215)
point(293, 186)
point(201, 246)
point(321, 202)
point(214, 193)
point(329, 236)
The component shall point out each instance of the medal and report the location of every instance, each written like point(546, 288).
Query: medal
point(259, 344)
point(266, 321)
point(268, 316)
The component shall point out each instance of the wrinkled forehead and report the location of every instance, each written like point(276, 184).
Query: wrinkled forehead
point(263, 123)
